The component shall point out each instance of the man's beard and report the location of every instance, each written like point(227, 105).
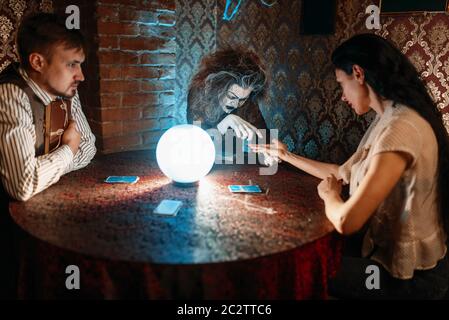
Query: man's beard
point(64, 94)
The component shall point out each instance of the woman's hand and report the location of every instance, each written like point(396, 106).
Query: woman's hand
point(268, 160)
point(276, 149)
point(328, 187)
point(242, 128)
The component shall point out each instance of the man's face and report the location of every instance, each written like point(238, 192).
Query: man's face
point(235, 97)
point(62, 74)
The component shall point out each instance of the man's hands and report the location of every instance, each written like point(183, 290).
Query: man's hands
point(72, 137)
point(242, 128)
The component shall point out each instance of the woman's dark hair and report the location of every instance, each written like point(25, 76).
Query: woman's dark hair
point(220, 70)
point(391, 75)
point(41, 32)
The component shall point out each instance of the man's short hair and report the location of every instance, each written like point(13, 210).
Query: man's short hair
point(41, 33)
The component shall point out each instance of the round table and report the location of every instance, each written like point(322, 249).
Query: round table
point(84, 221)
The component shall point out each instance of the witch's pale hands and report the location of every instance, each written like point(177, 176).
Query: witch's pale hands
point(243, 129)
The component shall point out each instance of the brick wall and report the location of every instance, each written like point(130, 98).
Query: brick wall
point(136, 56)
point(128, 95)
point(89, 89)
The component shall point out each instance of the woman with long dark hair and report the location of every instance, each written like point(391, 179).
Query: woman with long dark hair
point(398, 178)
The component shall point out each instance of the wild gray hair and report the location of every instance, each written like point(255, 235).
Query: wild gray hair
point(216, 85)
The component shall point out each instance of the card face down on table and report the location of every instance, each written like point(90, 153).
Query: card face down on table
point(168, 208)
point(244, 188)
point(122, 179)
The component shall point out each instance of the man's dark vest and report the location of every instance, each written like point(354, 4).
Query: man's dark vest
point(49, 121)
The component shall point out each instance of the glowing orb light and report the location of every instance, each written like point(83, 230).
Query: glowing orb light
point(185, 153)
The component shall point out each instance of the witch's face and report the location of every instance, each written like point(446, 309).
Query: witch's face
point(235, 97)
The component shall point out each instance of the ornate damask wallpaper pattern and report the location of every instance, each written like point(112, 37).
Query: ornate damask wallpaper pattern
point(11, 13)
point(304, 98)
point(303, 101)
point(196, 23)
point(425, 40)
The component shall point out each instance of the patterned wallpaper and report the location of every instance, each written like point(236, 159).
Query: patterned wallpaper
point(196, 22)
point(11, 13)
point(304, 99)
point(425, 40)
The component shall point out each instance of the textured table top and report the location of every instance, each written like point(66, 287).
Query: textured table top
point(115, 221)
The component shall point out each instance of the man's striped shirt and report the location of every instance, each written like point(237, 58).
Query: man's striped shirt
point(22, 173)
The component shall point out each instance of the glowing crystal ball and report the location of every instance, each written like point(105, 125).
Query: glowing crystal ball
point(185, 153)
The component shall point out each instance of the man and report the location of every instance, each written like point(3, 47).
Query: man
point(50, 68)
point(49, 72)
